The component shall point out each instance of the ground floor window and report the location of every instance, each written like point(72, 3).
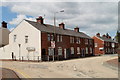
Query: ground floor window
point(91, 50)
point(78, 50)
point(50, 51)
point(72, 50)
point(86, 50)
point(59, 51)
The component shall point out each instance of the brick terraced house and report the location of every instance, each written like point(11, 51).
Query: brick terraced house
point(104, 44)
point(35, 40)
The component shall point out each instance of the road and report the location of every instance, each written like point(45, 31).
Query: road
point(9, 74)
point(91, 67)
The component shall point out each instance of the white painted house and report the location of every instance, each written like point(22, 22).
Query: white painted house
point(25, 43)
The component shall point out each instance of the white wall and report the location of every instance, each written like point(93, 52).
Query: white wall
point(5, 52)
point(34, 40)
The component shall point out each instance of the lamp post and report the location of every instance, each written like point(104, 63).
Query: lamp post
point(19, 50)
point(54, 31)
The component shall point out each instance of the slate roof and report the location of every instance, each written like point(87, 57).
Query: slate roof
point(50, 29)
point(107, 39)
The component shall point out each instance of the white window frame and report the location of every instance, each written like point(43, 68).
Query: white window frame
point(86, 49)
point(58, 38)
point(14, 38)
point(50, 51)
point(48, 37)
point(91, 50)
point(96, 44)
point(78, 50)
point(52, 37)
point(26, 39)
point(59, 51)
point(86, 41)
point(72, 50)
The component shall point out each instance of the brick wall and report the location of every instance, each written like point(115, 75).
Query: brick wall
point(99, 45)
point(65, 44)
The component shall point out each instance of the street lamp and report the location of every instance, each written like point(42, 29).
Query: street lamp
point(54, 30)
point(19, 50)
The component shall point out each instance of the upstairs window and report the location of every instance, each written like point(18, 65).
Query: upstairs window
point(52, 37)
point(14, 38)
point(78, 40)
point(71, 39)
point(58, 38)
point(48, 37)
point(26, 39)
point(96, 44)
point(86, 41)
point(90, 41)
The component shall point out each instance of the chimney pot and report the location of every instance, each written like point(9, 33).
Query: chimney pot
point(98, 34)
point(76, 29)
point(40, 20)
point(4, 24)
point(104, 36)
point(62, 25)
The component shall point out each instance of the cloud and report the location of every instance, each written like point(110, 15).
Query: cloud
point(19, 18)
point(90, 17)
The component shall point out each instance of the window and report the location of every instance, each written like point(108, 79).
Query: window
point(90, 41)
point(50, 51)
point(58, 38)
point(90, 50)
point(78, 50)
point(71, 39)
point(86, 41)
point(52, 37)
point(61, 38)
point(26, 39)
point(86, 50)
point(48, 37)
point(95, 44)
point(78, 40)
point(113, 45)
point(59, 51)
point(15, 37)
point(72, 50)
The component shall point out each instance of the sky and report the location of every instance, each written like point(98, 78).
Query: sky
point(91, 17)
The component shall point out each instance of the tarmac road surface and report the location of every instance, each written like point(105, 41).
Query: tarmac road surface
point(8, 74)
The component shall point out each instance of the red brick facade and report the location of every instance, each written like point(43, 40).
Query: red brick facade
point(104, 47)
point(66, 46)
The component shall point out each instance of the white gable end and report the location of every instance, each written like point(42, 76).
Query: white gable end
point(34, 41)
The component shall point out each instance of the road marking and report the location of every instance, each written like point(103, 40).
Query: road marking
point(18, 71)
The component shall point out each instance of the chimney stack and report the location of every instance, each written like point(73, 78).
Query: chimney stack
point(76, 29)
point(104, 36)
point(62, 25)
point(4, 24)
point(98, 34)
point(40, 20)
